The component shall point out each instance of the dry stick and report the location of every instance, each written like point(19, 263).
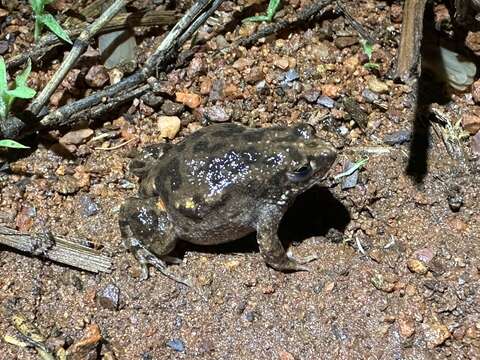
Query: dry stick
point(56, 248)
point(354, 23)
point(120, 21)
point(78, 48)
point(315, 10)
point(408, 60)
point(158, 59)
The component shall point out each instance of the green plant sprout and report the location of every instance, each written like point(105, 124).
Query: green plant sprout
point(21, 90)
point(8, 96)
point(271, 10)
point(356, 166)
point(368, 50)
point(12, 144)
point(43, 18)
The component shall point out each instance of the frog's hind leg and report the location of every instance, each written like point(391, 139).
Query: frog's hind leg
point(271, 247)
point(148, 234)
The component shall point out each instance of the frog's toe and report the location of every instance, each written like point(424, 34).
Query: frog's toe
point(302, 260)
point(288, 264)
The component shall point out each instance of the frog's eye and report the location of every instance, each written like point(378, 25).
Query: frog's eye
point(300, 174)
point(305, 130)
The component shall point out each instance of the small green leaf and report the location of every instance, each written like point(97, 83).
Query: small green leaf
point(12, 144)
point(49, 21)
point(3, 75)
point(367, 48)
point(21, 79)
point(371, 66)
point(37, 6)
point(22, 92)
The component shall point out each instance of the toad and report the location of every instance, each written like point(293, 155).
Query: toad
point(219, 184)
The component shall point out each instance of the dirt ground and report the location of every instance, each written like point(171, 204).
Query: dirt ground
point(398, 269)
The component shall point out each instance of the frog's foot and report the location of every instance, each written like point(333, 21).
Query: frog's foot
point(302, 260)
point(145, 258)
point(287, 263)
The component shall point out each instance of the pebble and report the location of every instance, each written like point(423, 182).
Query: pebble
point(171, 108)
point(261, 88)
point(345, 41)
point(284, 355)
point(196, 67)
point(369, 95)
point(326, 102)
point(397, 137)
point(381, 284)
point(97, 76)
point(475, 90)
point(435, 333)
point(426, 255)
point(189, 99)
point(87, 346)
point(417, 266)
point(88, 206)
point(351, 180)
point(291, 75)
point(169, 126)
point(76, 137)
point(471, 123)
point(216, 113)
point(281, 63)
point(473, 42)
point(217, 90)
point(455, 198)
point(330, 90)
point(109, 298)
point(249, 316)
point(475, 143)
point(66, 185)
point(311, 96)
point(176, 344)
point(396, 13)
point(3, 47)
point(406, 326)
point(255, 75)
point(152, 100)
point(377, 86)
point(115, 76)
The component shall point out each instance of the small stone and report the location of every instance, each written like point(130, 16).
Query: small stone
point(345, 41)
point(87, 346)
point(152, 100)
point(475, 143)
point(291, 75)
point(397, 137)
point(369, 95)
point(88, 206)
point(311, 96)
point(57, 98)
point(115, 76)
point(330, 90)
point(205, 85)
point(284, 355)
point(381, 284)
point(109, 298)
point(3, 47)
point(196, 67)
point(97, 76)
point(76, 137)
point(406, 326)
point(261, 88)
point(326, 102)
point(417, 266)
point(435, 333)
point(281, 63)
point(66, 185)
point(426, 255)
point(475, 90)
point(255, 75)
point(176, 344)
point(189, 99)
point(471, 123)
point(216, 113)
point(377, 86)
point(232, 91)
point(243, 63)
point(249, 316)
point(473, 42)
point(396, 13)
point(351, 180)
point(221, 42)
point(171, 108)
point(217, 90)
point(169, 126)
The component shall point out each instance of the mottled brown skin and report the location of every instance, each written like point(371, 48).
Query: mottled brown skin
point(220, 184)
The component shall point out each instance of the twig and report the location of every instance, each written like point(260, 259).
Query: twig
point(120, 21)
point(408, 61)
point(56, 248)
point(354, 23)
point(158, 59)
point(78, 48)
point(116, 146)
point(313, 11)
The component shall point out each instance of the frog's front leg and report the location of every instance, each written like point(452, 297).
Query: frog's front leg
point(148, 233)
point(270, 245)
